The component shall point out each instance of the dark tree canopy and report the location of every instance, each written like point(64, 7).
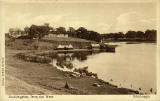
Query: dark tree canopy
point(71, 32)
point(140, 34)
point(89, 35)
point(131, 34)
point(38, 31)
point(148, 35)
point(61, 30)
point(35, 31)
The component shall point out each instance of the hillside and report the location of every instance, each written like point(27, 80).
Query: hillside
point(45, 43)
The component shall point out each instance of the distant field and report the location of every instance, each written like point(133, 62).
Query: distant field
point(67, 39)
point(46, 43)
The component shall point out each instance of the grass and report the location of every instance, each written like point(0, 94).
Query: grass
point(45, 44)
point(70, 39)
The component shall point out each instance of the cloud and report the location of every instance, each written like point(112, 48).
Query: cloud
point(21, 20)
point(148, 21)
point(132, 21)
point(16, 20)
point(52, 18)
point(123, 22)
point(101, 27)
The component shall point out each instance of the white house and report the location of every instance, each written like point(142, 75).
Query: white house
point(66, 46)
point(95, 46)
point(56, 35)
point(16, 32)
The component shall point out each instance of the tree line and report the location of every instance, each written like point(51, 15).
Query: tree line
point(148, 35)
point(35, 31)
point(39, 32)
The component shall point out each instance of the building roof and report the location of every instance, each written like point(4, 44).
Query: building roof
point(60, 46)
point(70, 46)
point(95, 45)
point(64, 46)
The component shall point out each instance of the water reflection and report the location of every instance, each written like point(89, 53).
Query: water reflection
point(64, 60)
point(66, 56)
point(81, 56)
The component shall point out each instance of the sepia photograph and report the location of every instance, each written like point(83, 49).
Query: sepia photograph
point(80, 48)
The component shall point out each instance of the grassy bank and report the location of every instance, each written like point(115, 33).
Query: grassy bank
point(41, 78)
point(46, 44)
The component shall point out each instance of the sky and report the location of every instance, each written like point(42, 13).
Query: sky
point(101, 17)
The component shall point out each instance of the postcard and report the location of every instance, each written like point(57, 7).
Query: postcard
point(86, 50)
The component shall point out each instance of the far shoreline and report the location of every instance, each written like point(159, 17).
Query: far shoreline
point(137, 41)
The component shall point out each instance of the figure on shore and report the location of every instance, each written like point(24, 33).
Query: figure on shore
point(66, 85)
point(151, 90)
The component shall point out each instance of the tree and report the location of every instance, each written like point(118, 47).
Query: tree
point(95, 36)
point(11, 30)
point(140, 35)
point(71, 32)
point(81, 31)
point(26, 29)
point(130, 35)
point(61, 30)
point(151, 35)
point(71, 29)
point(121, 34)
point(118, 35)
point(38, 31)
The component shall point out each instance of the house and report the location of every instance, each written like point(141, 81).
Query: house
point(95, 46)
point(16, 32)
point(64, 46)
point(70, 46)
point(61, 35)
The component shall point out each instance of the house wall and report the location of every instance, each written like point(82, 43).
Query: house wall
point(15, 34)
point(95, 46)
point(62, 35)
point(57, 35)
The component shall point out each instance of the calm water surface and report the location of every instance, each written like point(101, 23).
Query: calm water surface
point(131, 66)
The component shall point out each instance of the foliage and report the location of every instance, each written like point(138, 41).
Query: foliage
point(89, 35)
point(71, 32)
point(148, 35)
point(35, 31)
point(38, 31)
point(61, 30)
